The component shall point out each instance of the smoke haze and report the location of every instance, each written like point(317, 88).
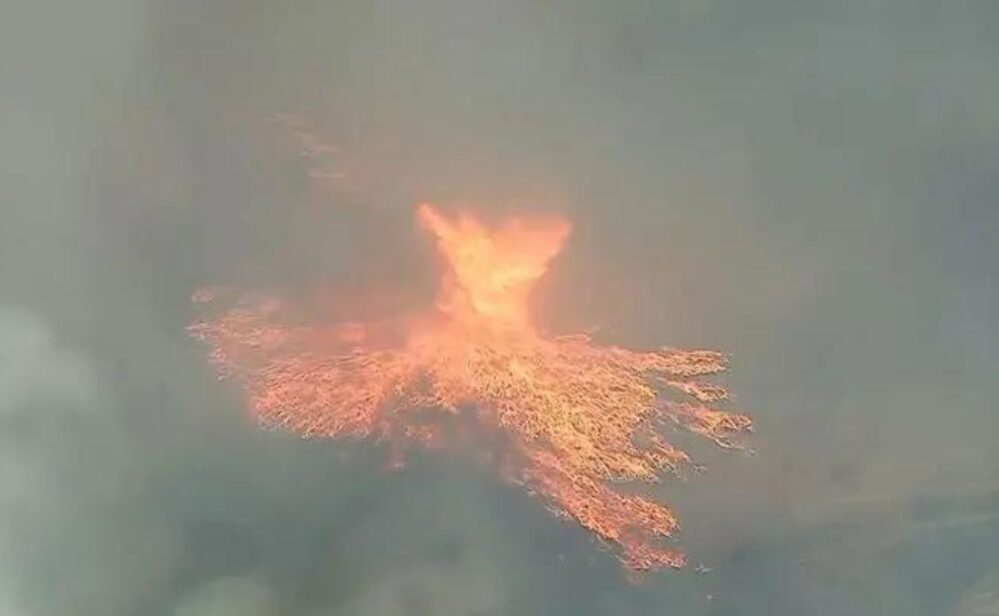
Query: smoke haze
point(813, 187)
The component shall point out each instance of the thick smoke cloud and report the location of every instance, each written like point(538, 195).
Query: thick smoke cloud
point(810, 186)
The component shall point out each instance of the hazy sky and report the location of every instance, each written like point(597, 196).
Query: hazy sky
point(810, 186)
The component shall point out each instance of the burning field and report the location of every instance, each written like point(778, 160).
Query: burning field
point(572, 421)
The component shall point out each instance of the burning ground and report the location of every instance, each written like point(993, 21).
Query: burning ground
point(569, 419)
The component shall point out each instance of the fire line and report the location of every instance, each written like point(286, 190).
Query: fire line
point(576, 419)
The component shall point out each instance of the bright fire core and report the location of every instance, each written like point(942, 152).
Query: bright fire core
point(574, 420)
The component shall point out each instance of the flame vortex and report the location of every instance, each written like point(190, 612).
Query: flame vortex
point(577, 419)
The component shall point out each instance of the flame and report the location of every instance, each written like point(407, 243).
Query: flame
point(491, 273)
point(576, 419)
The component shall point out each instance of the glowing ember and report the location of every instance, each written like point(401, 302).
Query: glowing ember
point(576, 419)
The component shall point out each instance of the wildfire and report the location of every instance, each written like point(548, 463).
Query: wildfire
point(576, 419)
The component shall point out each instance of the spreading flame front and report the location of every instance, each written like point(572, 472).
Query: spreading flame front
point(576, 419)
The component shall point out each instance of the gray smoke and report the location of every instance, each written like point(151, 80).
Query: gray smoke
point(810, 186)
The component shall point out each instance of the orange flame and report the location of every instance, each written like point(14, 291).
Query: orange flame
point(491, 273)
point(577, 418)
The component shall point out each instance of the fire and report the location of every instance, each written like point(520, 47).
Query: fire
point(575, 419)
point(490, 274)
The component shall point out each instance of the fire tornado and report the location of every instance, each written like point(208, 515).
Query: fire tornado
point(574, 421)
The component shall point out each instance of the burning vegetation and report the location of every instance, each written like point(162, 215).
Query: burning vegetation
point(576, 420)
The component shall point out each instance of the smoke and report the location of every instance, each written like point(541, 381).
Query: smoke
point(810, 186)
point(459, 564)
point(433, 589)
point(74, 538)
point(229, 597)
